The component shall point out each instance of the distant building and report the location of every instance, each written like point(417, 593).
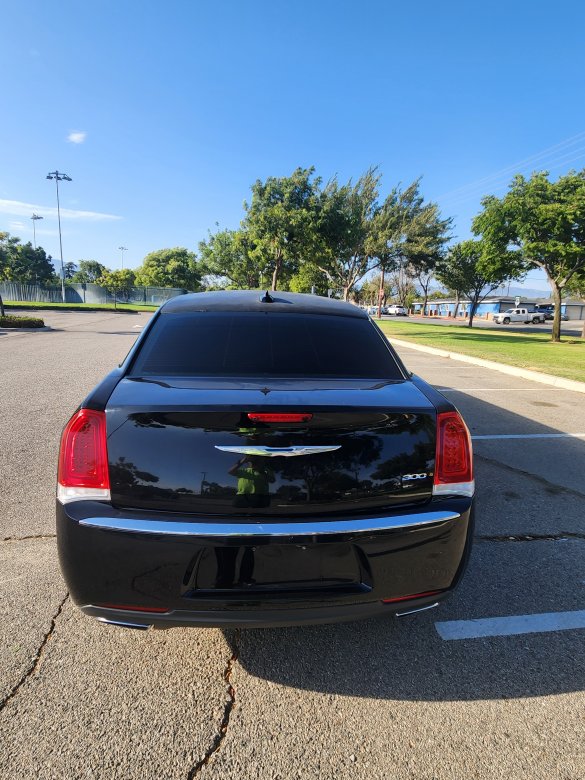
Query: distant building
point(574, 308)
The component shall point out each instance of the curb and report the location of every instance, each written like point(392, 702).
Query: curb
point(44, 329)
point(525, 373)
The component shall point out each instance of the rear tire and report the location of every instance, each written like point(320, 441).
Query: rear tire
point(535, 320)
point(506, 320)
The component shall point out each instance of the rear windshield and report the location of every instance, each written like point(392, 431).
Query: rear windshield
point(264, 344)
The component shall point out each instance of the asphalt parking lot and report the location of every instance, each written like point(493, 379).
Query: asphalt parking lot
point(452, 693)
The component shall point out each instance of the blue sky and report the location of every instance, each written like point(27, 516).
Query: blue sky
point(164, 113)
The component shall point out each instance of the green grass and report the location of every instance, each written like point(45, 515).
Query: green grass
point(79, 306)
point(525, 350)
point(13, 321)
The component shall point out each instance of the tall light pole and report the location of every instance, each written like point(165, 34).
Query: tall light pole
point(34, 219)
point(60, 177)
point(122, 250)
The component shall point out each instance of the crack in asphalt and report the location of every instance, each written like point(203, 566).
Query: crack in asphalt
point(38, 657)
point(32, 536)
point(229, 706)
point(550, 487)
point(562, 537)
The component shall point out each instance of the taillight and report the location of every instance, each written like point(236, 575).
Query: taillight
point(276, 417)
point(83, 458)
point(412, 596)
point(454, 458)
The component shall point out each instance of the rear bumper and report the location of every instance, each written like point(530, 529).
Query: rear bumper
point(259, 618)
point(142, 569)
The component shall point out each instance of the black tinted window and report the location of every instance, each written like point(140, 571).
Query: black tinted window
point(251, 344)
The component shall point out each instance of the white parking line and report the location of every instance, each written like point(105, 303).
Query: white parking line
point(511, 626)
point(530, 436)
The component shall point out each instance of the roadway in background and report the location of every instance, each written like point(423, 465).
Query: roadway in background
point(568, 328)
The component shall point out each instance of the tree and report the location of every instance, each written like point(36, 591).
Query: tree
point(426, 238)
point(482, 268)
point(228, 254)
point(344, 228)
point(23, 263)
point(176, 267)
point(386, 239)
point(576, 287)
point(546, 221)
point(307, 278)
point(452, 273)
point(405, 291)
point(69, 269)
point(424, 276)
point(370, 290)
point(281, 222)
point(409, 232)
point(439, 295)
point(6, 244)
point(118, 282)
point(89, 271)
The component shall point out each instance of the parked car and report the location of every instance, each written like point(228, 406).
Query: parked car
point(518, 315)
point(262, 459)
point(397, 311)
point(373, 310)
point(549, 312)
point(547, 309)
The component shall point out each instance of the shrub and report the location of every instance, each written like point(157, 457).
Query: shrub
point(13, 321)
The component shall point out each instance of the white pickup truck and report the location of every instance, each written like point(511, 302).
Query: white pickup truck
point(518, 315)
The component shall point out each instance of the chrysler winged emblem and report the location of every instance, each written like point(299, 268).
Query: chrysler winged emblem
point(273, 452)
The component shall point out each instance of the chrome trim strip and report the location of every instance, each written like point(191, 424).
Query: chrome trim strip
point(273, 452)
point(316, 528)
point(418, 609)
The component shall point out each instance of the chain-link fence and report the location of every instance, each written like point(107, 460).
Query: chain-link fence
point(86, 293)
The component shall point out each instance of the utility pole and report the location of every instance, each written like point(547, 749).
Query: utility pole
point(60, 177)
point(34, 221)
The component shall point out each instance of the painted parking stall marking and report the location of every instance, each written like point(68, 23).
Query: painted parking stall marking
point(511, 625)
point(529, 436)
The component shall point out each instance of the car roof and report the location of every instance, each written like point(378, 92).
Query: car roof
point(256, 301)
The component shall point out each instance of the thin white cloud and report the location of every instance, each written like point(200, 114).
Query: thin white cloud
point(17, 208)
point(16, 225)
point(77, 137)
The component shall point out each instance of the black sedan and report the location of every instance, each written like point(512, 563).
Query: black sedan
point(262, 459)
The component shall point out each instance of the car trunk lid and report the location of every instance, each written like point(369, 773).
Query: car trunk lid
point(195, 446)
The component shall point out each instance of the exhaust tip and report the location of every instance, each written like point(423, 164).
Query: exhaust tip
point(121, 624)
point(418, 609)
